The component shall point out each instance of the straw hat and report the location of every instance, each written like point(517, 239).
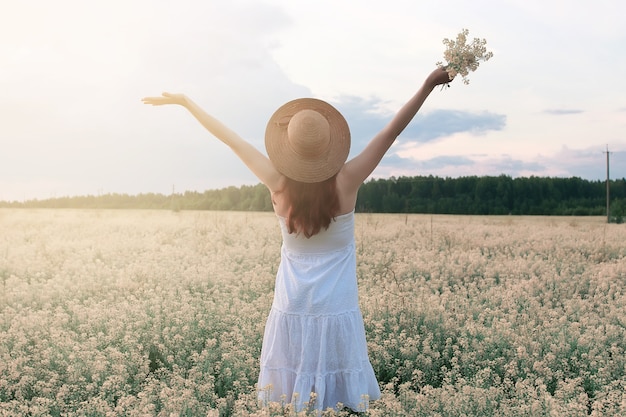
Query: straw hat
point(307, 140)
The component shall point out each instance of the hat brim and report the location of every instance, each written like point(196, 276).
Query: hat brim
point(295, 166)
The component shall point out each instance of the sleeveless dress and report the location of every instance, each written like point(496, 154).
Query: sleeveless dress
point(314, 338)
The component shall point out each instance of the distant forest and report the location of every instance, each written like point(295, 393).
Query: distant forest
point(501, 195)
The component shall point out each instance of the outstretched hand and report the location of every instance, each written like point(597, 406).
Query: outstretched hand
point(166, 98)
point(438, 76)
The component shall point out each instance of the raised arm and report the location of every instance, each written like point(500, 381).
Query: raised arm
point(361, 166)
point(257, 162)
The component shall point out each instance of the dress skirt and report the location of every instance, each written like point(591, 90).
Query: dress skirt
point(314, 339)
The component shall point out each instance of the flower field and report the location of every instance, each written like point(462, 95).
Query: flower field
point(159, 313)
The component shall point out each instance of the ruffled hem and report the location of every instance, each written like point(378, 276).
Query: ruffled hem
point(351, 388)
point(314, 345)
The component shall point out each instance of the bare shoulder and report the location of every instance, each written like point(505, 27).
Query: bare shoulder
point(347, 189)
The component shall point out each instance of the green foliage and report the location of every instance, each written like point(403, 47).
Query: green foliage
point(244, 198)
point(618, 211)
point(486, 195)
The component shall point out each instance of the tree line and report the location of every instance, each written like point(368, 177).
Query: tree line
point(492, 195)
point(244, 198)
point(484, 195)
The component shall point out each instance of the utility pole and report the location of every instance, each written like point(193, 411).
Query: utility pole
point(608, 204)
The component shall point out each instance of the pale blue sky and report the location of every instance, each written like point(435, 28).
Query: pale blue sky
point(72, 74)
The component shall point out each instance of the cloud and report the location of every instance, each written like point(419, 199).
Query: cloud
point(447, 160)
point(587, 163)
point(441, 123)
point(559, 112)
point(458, 165)
point(365, 117)
point(584, 163)
point(436, 163)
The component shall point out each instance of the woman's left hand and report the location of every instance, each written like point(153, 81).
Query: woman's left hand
point(438, 76)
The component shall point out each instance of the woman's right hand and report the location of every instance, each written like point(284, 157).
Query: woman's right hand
point(166, 98)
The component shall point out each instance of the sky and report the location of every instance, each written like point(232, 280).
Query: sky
point(550, 102)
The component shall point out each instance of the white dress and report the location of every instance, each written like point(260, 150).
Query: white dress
point(314, 337)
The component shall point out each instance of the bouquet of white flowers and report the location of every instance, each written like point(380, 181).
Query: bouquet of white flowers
point(461, 57)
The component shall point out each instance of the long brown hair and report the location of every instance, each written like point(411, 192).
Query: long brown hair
point(312, 206)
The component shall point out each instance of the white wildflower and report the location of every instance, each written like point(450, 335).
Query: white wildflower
point(461, 57)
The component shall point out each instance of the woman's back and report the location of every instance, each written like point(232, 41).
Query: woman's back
point(339, 235)
point(346, 189)
point(317, 275)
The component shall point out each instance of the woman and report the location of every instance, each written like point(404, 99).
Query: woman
point(314, 339)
